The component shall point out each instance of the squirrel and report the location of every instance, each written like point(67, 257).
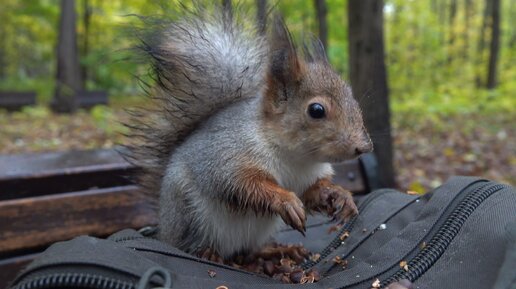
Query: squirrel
point(244, 133)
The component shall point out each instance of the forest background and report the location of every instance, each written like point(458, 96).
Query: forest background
point(448, 117)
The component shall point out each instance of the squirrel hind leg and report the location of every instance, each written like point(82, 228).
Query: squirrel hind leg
point(211, 255)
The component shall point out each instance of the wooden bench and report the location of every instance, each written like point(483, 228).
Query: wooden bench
point(13, 101)
point(88, 99)
point(51, 197)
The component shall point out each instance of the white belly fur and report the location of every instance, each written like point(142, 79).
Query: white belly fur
point(233, 232)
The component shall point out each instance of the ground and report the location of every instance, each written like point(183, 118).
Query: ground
point(428, 149)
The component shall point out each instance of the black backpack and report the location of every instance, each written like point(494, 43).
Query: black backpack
point(461, 235)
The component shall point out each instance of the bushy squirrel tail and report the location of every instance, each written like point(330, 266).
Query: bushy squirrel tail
point(201, 62)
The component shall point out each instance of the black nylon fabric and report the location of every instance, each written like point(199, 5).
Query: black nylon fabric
point(480, 248)
point(506, 277)
point(392, 227)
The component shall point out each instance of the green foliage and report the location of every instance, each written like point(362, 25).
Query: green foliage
point(433, 62)
point(106, 120)
point(36, 112)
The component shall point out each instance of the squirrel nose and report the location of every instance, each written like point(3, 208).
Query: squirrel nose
point(366, 148)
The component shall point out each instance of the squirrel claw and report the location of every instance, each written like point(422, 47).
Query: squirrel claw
point(293, 214)
point(296, 218)
point(347, 210)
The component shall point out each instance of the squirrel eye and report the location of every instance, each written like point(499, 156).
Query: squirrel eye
point(316, 110)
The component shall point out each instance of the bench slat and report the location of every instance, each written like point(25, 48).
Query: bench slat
point(30, 175)
point(39, 221)
point(41, 164)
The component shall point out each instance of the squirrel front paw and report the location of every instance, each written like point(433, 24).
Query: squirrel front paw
point(291, 210)
point(324, 196)
point(339, 203)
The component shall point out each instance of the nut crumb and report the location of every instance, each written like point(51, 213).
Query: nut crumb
point(212, 273)
point(222, 287)
point(376, 283)
point(344, 236)
point(315, 257)
point(337, 260)
point(404, 265)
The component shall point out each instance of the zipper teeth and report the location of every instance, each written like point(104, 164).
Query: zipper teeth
point(75, 280)
point(336, 242)
point(442, 239)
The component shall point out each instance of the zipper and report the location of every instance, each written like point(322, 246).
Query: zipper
point(186, 256)
point(440, 241)
point(75, 280)
point(336, 242)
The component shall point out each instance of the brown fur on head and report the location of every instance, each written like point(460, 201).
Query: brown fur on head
point(297, 88)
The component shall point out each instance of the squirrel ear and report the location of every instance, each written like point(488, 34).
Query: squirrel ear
point(285, 65)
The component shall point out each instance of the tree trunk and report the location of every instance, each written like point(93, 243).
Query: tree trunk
point(512, 29)
point(369, 78)
point(468, 8)
point(69, 80)
point(3, 62)
point(442, 20)
point(320, 7)
point(482, 42)
point(228, 8)
point(261, 15)
point(86, 37)
point(495, 45)
point(451, 27)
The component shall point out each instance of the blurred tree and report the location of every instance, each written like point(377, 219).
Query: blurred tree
point(495, 44)
point(3, 63)
point(369, 78)
point(488, 7)
point(87, 11)
point(69, 80)
point(228, 7)
point(451, 25)
point(468, 8)
point(320, 8)
point(261, 15)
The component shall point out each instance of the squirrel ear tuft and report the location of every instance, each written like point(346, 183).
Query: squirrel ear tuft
point(313, 50)
point(285, 65)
